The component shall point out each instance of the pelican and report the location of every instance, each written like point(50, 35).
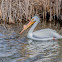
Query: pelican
point(43, 34)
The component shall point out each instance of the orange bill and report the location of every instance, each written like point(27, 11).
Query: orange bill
point(28, 25)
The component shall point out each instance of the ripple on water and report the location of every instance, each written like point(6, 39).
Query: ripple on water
point(13, 49)
point(49, 50)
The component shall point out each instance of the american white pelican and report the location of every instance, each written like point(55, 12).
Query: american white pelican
point(43, 34)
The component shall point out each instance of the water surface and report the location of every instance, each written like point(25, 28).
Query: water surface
point(13, 48)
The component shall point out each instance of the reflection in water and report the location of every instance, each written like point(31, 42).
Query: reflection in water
point(16, 49)
point(45, 50)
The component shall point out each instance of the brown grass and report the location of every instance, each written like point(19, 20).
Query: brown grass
point(25, 9)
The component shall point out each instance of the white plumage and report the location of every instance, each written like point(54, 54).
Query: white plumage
point(43, 34)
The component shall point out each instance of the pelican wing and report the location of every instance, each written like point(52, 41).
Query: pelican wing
point(45, 33)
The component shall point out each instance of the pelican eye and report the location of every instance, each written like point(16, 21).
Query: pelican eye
point(32, 19)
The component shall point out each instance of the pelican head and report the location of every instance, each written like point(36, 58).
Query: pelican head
point(33, 20)
point(36, 19)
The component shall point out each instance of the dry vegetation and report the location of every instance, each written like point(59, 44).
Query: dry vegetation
point(16, 11)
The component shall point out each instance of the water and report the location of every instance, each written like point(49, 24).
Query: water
point(16, 49)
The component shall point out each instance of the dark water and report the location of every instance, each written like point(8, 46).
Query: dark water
point(16, 49)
